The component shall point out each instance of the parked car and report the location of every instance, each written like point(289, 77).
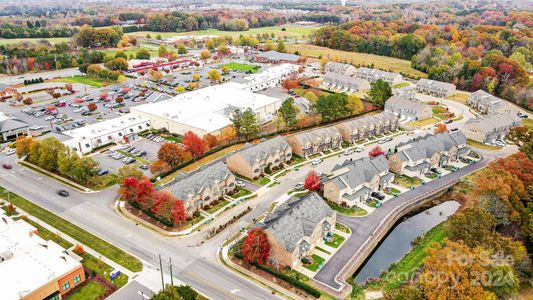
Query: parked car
point(449, 121)
point(102, 172)
point(299, 186)
point(7, 166)
point(37, 127)
point(359, 149)
point(377, 195)
point(240, 183)
point(11, 152)
point(144, 167)
point(522, 115)
point(382, 141)
point(436, 171)
point(316, 162)
point(348, 152)
point(124, 147)
point(500, 143)
point(62, 193)
point(454, 129)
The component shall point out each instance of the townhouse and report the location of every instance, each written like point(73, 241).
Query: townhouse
point(435, 88)
point(345, 83)
point(372, 75)
point(295, 227)
point(490, 128)
point(202, 186)
point(367, 127)
point(352, 182)
point(419, 155)
point(275, 57)
point(407, 109)
point(488, 104)
point(335, 67)
point(253, 160)
point(406, 92)
point(315, 141)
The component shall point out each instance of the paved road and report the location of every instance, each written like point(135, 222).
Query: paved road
point(44, 75)
point(363, 227)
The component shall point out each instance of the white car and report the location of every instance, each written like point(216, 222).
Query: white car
point(500, 143)
point(348, 152)
point(37, 127)
point(49, 118)
point(299, 186)
point(124, 147)
point(316, 162)
point(240, 183)
point(11, 152)
point(359, 149)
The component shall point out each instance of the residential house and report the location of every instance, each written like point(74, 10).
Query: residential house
point(407, 109)
point(296, 226)
point(202, 186)
point(275, 57)
point(352, 182)
point(11, 128)
point(435, 88)
point(339, 68)
point(488, 104)
point(374, 75)
point(253, 160)
point(490, 128)
point(315, 141)
point(418, 156)
point(406, 92)
point(366, 127)
point(345, 83)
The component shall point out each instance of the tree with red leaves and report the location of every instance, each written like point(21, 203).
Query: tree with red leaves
point(173, 154)
point(178, 212)
point(289, 84)
point(256, 248)
point(128, 189)
point(312, 181)
point(162, 204)
point(210, 141)
point(193, 143)
point(376, 151)
point(145, 192)
point(441, 128)
point(92, 106)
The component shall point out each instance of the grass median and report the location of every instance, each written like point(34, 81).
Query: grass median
point(97, 244)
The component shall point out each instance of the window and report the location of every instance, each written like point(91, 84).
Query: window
point(66, 285)
point(77, 279)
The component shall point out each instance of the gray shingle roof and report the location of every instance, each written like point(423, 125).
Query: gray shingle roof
point(494, 122)
point(192, 183)
point(425, 146)
point(314, 135)
point(376, 74)
point(275, 55)
point(434, 85)
point(296, 219)
point(367, 122)
point(337, 67)
point(11, 124)
point(397, 104)
point(360, 171)
point(251, 153)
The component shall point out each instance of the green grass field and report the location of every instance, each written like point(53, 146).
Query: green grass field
point(129, 51)
point(356, 58)
point(96, 82)
point(528, 123)
point(90, 290)
point(347, 210)
point(103, 269)
point(317, 261)
point(106, 249)
point(241, 67)
point(482, 145)
point(406, 181)
point(459, 97)
point(336, 242)
point(34, 40)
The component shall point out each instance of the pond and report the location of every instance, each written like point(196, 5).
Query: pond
point(398, 242)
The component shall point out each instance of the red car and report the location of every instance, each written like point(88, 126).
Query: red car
point(6, 166)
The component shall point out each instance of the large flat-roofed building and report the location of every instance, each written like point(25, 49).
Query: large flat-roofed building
point(11, 127)
point(268, 78)
point(32, 268)
point(275, 57)
point(121, 129)
point(374, 75)
point(435, 88)
point(206, 110)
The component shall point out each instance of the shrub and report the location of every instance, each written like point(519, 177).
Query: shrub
point(78, 249)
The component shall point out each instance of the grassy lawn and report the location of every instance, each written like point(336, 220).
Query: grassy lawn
point(401, 85)
point(87, 80)
point(431, 175)
point(439, 111)
point(240, 192)
point(103, 182)
point(528, 123)
point(108, 250)
point(459, 97)
point(317, 261)
point(413, 260)
point(407, 182)
point(423, 123)
point(336, 242)
point(392, 191)
point(342, 227)
point(356, 58)
point(34, 40)
point(349, 211)
point(322, 250)
point(290, 31)
point(373, 203)
point(261, 181)
point(218, 206)
point(172, 138)
point(129, 51)
point(479, 145)
point(90, 290)
point(296, 160)
point(282, 173)
point(241, 67)
point(103, 269)
point(46, 234)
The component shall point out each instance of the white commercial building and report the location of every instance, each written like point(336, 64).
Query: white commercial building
point(206, 110)
point(268, 78)
point(121, 129)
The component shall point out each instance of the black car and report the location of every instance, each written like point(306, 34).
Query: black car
point(448, 121)
point(377, 195)
point(62, 193)
point(142, 153)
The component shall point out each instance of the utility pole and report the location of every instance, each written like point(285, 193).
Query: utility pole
point(161, 268)
point(171, 277)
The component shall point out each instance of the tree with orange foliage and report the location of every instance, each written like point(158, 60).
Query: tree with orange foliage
point(441, 128)
point(159, 166)
point(312, 181)
point(227, 134)
point(376, 151)
point(210, 141)
point(517, 164)
point(193, 143)
point(92, 106)
point(23, 145)
point(289, 84)
point(173, 154)
point(256, 247)
point(78, 249)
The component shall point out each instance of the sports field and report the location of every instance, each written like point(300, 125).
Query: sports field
point(241, 67)
point(356, 58)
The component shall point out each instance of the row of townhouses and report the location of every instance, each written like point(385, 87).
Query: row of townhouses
point(435, 88)
point(490, 128)
point(408, 109)
point(489, 104)
point(315, 141)
point(340, 68)
point(374, 75)
point(345, 83)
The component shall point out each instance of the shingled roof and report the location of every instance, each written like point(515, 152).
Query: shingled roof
point(251, 153)
point(360, 171)
point(425, 146)
point(186, 184)
point(296, 219)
